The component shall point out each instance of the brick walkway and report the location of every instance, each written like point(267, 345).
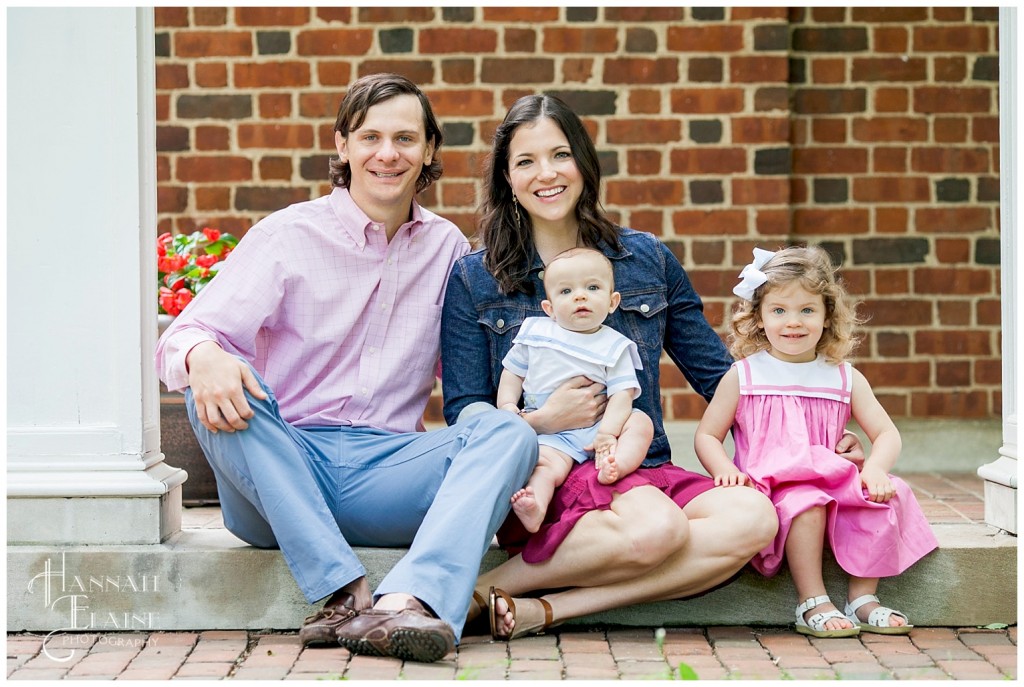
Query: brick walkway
point(570, 653)
point(613, 654)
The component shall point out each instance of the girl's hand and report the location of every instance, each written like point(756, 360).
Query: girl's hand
point(732, 479)
point(878, 485)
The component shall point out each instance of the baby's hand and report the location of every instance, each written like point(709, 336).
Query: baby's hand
point(733, 478)
point(880, 488)
point(511, 407)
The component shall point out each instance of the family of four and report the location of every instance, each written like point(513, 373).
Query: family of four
point(308, 362)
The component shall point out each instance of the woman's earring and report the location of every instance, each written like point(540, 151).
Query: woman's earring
point(515, 206)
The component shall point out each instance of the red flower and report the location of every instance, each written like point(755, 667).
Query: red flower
point(185, 267)
point(182, 297)
point(168, 302)
point(171, 263)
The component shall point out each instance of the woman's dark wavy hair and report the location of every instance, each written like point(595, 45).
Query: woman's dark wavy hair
point(366, 92)
point(510, 249)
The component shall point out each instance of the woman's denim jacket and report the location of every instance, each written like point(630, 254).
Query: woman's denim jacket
point(659, 309)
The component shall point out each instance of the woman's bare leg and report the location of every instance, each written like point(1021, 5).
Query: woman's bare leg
point(640, 530)
point(727, 526)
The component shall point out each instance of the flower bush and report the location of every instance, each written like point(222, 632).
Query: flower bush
point(187, 263)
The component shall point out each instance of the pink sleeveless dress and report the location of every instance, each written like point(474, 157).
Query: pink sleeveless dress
point(789, 418)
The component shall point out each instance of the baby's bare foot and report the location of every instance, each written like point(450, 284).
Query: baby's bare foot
point(609, 473)
point(529, 511)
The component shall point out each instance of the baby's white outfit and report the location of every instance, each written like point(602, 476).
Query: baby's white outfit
point(545, 355)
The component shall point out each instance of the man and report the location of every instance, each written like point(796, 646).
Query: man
point(308, 362)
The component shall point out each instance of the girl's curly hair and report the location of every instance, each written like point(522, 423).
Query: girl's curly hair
point(812, 268)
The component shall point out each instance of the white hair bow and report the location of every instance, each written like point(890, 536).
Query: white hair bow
point(752, 277)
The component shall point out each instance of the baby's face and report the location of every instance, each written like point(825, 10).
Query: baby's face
point(579, 290)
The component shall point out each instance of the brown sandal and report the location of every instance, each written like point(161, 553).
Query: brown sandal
point(493, 595)
point(477, 624)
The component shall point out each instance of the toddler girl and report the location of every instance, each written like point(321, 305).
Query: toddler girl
point(788, 399)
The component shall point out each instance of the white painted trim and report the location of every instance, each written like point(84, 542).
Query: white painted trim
point(94, 463)
point(1003, 471)
point(64, 441)
point(157, 480)
point(1000, 505)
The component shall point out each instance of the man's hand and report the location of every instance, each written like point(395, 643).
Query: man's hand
point(577, 403)
point(217, 378)
point(849, 447)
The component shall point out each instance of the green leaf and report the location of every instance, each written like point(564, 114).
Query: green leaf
point(686, 672)
point(215, 248)
point(994, 626)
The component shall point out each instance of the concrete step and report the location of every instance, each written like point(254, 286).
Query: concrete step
point(205, 578)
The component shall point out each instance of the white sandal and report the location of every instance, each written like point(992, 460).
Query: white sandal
point(878, 619)
point(815, 626)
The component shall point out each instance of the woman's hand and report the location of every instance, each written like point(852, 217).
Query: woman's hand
point(578, 402)
point(879, 486)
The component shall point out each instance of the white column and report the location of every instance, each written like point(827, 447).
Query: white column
point(83, 433)
point(1001, 475)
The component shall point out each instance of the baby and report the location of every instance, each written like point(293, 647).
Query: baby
point(570, 342)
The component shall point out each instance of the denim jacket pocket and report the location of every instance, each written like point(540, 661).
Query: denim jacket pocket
point(643, 314)
point(500, 320)
point(501, 324)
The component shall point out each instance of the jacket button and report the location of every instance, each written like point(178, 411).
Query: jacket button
point(500, 323)
point(645, 308)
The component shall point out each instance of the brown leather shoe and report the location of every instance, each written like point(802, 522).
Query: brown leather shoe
point(411, 634)
point(321, 628)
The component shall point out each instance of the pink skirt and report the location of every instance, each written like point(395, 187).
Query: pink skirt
point(582, 493)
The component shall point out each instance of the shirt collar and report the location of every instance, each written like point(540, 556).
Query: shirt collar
point(357, 224)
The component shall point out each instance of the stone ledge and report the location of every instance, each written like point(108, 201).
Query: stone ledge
point(207, 579)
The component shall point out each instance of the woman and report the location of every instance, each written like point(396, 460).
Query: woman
point(668, 533)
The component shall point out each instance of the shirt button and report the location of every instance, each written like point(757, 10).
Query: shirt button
point(364, 391)
point(645, 308)
point(500, 323)
point(541, 275)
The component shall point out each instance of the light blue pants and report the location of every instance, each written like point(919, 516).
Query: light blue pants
point(317, 491)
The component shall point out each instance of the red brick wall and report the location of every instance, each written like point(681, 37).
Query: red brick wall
point(873, 131)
